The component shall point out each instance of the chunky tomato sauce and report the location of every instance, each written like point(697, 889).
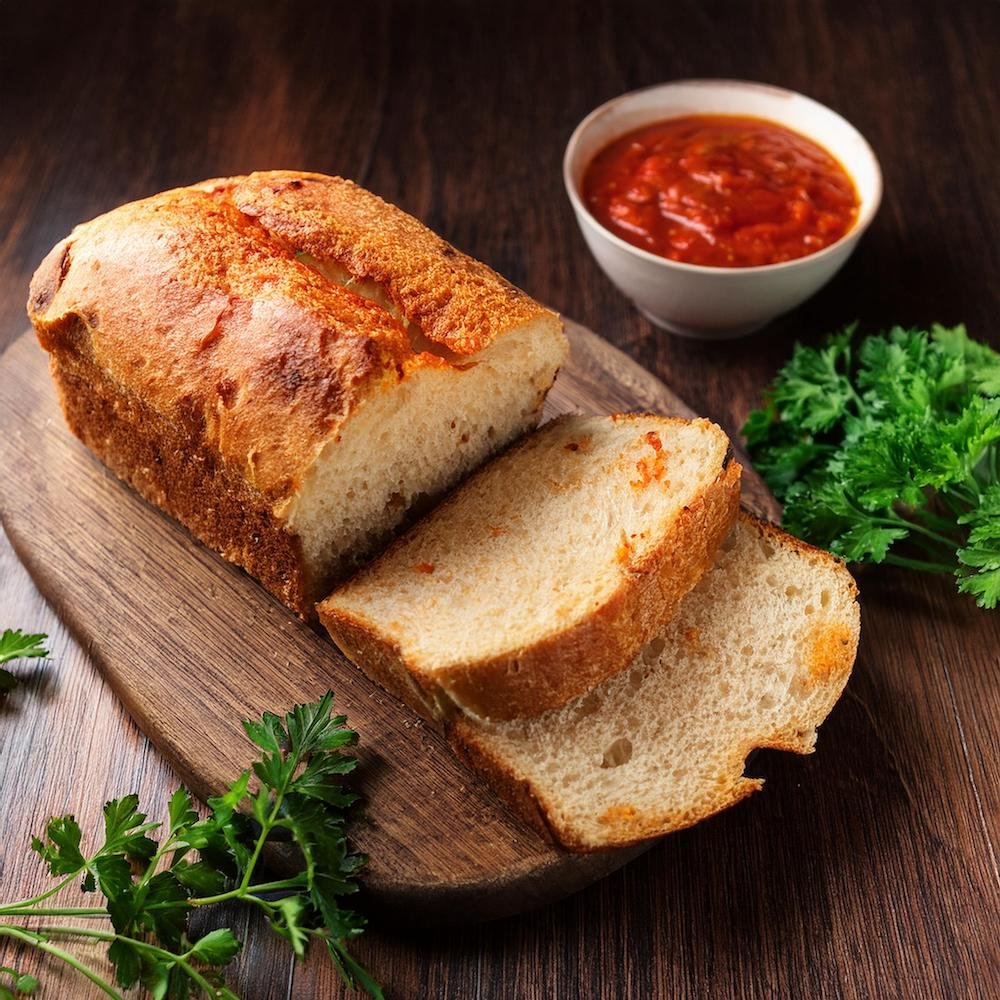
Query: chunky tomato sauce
point(721, 190)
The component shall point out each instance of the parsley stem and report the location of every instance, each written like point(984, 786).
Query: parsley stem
point(942, 523)
point(168, 845)
point(933, 551)
point(168, 956)
point(259, 846)
point(58, 887)
point(967, 491)
point(266, 827)
point(920, 564)
point(36, 941)
point(241, 893)
point(954, 503)
point(58, 911)
point(923, 530)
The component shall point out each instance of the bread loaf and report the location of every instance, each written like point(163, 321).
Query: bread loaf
point(546, 571)
point(287, 365)
point(756, 656)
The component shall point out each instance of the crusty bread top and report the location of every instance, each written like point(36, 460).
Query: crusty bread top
point(200, 301)
point(456, 301)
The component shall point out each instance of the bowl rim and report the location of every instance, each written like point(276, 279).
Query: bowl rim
point(869, 206)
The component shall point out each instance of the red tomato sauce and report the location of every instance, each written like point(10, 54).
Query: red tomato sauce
point(721, 190)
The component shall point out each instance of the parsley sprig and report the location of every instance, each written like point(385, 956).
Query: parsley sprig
point(15, 645)
point(888, 450)
point(151, 888)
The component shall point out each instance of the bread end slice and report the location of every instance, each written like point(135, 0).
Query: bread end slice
point(757, 656)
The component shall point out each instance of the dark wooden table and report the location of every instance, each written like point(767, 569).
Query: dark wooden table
point(867, 870)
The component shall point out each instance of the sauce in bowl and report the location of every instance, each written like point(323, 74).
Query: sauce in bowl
point(721, 191)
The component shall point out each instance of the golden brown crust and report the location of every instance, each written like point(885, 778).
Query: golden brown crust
point(196, 304)
point(156, 458)
point(189, 303)
point(382, 665)
point(194, 309)
point(456, 301)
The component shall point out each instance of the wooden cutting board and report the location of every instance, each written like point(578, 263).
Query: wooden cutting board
point(192, 645)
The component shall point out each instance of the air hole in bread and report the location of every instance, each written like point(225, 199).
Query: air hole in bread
point(809, 609)
point(653, 649)
point(588, 705)
point(792, 591)
point(618, 753)
point(824, 599)
point(765, 702)
point(799, 688)
point(746, 651)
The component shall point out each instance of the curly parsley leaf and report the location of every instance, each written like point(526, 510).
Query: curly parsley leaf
point(816, 390)
point(888, 450)
point(979, 558)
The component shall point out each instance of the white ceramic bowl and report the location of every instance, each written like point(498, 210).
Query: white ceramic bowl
point(718, 302)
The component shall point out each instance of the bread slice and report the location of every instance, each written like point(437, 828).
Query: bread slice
point(756, 657)
point(547, 571)
point(287, 365)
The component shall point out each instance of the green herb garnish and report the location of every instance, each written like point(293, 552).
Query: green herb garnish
point(888, 450)
point(15, 645)
point(152, 887)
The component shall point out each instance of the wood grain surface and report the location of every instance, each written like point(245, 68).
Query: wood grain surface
point(195, 645)
point(867, 870)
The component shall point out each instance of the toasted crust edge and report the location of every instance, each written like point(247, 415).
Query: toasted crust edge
point(165, 465)
point(530, 681)
point(571, 662)
point(625, 829)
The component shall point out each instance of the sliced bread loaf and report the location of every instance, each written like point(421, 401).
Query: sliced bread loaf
point(547, 571)
point(757, 656)
point(287, 365)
